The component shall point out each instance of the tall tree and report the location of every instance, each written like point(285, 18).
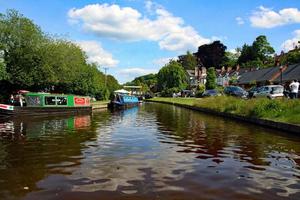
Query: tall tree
point(21, 42)
point(211, 79)
point(262, 49)
point(259, 54)
point(172, 75)
point(188, 61)
point(211, 55)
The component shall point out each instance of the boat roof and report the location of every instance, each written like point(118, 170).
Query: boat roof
point(122, 91)
point(49, 94)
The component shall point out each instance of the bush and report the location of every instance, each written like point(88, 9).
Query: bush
point(169, 92)
point(267, 108)
point(200, 90)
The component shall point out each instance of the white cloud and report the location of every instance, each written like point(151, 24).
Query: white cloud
point(129, 74)
point(163, 61)
point(267, 18)
point(291, 43)
point(96, 54)
point(240, 21)
point(128, 24)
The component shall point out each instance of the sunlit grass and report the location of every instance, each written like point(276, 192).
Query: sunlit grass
point(281, 110)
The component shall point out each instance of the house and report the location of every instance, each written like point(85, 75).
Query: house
point(197, 76)
point(291, 72)
point(224, 77)
point(262, 76)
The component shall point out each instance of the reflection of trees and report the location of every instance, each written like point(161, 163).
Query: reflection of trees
point(45, 142)
point(207, 132)
point(213, 135)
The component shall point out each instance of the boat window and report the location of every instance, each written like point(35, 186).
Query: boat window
point(33, 100)
point(62, 101)
point(50, 100)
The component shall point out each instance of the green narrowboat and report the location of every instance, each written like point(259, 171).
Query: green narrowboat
point(48, 103)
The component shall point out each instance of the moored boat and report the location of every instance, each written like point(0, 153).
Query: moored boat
point(47, 103)
point(122, 99)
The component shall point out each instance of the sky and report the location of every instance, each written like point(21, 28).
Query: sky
point(135, 37)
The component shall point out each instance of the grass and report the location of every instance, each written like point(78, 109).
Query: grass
point(280, 110)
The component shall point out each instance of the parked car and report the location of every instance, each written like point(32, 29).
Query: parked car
point(187, 93)
point(270, 91)
point(236, 91)
point(252, 91)
point(211, 93)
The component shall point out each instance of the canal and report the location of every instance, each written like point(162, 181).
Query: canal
point(153, 151)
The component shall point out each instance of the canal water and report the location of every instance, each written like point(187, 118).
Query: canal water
point(153, 151)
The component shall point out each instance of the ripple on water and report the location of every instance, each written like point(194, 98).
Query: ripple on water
point(151, 152)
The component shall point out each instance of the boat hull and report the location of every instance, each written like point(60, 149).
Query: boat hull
point(45, 110)
point(116, 105)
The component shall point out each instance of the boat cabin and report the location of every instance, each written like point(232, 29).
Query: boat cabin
point(55, 100)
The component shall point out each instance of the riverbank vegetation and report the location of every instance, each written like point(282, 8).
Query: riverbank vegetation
point(32, 60)
point(280, 110)
point(213, 56)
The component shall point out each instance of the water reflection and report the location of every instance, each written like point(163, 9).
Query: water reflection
point(149, 152)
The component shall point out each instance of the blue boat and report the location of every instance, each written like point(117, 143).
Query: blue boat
point(122, 99)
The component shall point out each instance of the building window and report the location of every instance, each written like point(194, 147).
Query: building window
point(50, 101)
point(62, 101)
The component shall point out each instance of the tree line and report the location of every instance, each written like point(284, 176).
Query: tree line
point(172, 77)
point(33, 60)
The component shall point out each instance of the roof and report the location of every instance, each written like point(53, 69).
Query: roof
point(122, 91)
point(133, 86)
point(261, 75)
point(292, 72)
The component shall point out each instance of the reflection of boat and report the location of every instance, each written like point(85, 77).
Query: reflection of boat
point(35, 126)
point(122, 99)
point(46, 103)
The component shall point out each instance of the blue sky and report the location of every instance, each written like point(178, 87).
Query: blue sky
point(135, 37)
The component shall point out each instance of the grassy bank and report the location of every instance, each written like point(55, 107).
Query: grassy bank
point(284, 110)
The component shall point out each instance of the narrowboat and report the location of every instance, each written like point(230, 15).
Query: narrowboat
point(47, 103)
point(122, 99)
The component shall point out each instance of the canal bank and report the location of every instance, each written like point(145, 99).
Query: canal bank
point(190, 104)
point(99, 105)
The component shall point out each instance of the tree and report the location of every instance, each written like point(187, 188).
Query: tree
point(211, 55)
point(188, 61)
point(21, 42)
point(247, 54)
point(259, 54)
point(230, 59)
point(29, 59)
point(262, 49)
point(172, 75)
point(211, 79)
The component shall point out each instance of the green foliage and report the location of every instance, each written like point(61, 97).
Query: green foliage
point(230, 59)
point(148, 82)
point(259, 54)
point(37, 62)
point(168, 92)
point(211, 54)
point(188, 61)
point(266, 106)
point(200, 90)
point(3, 73)
point(262, 49)
point(172, 75)
point(211, 79)
point(281, 110)
point(291, 57)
